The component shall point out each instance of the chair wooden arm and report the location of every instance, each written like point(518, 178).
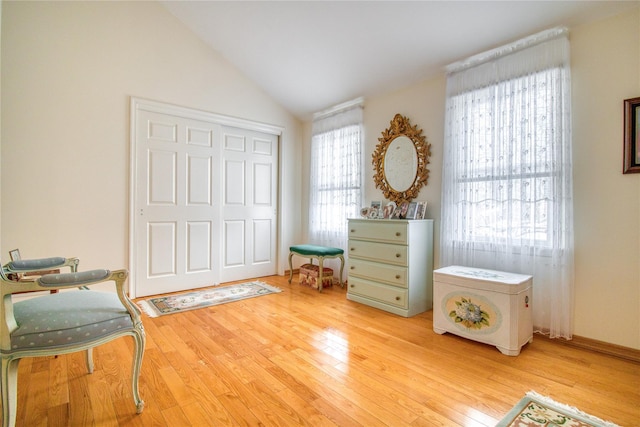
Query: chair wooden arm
point(41, 264)
point(59, 281)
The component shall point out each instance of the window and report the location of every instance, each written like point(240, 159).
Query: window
point(336, 175)
point(507, 174)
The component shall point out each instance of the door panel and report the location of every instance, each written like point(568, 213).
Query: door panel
point(234, 244)
point(162, 178)
point(249, 208)
point(199, 173)
point(234, 182)
point(162, 244)
point(262, 244)
point(177, 217)
point(262, 191)
point(199, 246)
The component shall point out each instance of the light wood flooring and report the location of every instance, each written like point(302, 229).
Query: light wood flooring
point(303, 358)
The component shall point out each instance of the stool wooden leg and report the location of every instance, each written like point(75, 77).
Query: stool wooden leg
point(290, 267)
point(341, 270)
point(320, 271)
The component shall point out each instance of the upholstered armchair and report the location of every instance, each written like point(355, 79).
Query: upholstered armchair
point(39, 326)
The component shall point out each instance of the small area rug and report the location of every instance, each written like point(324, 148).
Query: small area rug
point(160, 306)
point(537, 410)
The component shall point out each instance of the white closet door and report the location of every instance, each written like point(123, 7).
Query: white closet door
point(249, 204)
point(177, 213)
point(204, 194)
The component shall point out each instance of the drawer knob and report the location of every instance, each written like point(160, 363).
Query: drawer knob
point(352, 249)
point(397, 255)
point(397, 276)
point(397, 234)
point(353, 286)
point(352, 230)
point(352, 267)
point(397, 298)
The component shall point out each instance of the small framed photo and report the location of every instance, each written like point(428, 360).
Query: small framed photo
point(396, 213)
point(421, 210)
point(631, 162)
point(389, 209)
point(412, 210)
point(14, 254)
point(401, 211)
point(376, 205)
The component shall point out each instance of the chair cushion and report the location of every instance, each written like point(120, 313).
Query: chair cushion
point(67, 318)
point(316, 250)
point(36, 264)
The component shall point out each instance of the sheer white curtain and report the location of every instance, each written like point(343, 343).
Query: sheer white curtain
point(507, 199)
point(335, 176)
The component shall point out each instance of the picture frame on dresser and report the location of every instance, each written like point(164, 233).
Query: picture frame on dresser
point(412, 211)
point(401, 210)
point(421, 210)
point(396, 213)
point(389, 209)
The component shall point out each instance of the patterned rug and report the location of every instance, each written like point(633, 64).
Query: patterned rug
point(160, 306)
point(537, 410)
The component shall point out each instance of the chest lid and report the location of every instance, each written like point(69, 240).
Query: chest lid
point(480, 278)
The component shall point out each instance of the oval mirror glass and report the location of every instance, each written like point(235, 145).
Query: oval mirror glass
point(401, 163)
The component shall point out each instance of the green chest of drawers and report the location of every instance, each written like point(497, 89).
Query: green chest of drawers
point(391, 264)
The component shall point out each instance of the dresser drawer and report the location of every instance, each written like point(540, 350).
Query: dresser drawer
point(379, 230)
point(380, 252)
point(391, 295)
point(395, 275)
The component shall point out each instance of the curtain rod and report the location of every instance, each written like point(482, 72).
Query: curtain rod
point(339, 108)
point(507, 49)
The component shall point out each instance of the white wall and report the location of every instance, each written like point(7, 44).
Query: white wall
point(605, 67)
point(68, 70)
point(606, 70)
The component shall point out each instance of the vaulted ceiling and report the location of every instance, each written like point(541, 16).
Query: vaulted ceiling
point(311, 55)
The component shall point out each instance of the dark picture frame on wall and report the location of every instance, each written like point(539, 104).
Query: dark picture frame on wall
point(631, 136)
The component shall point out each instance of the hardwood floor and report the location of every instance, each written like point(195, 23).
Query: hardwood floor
point(303, 358)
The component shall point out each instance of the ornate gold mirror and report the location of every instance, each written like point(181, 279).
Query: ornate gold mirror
point(400, 161)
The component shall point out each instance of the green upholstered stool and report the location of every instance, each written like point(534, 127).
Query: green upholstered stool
point(319, 253)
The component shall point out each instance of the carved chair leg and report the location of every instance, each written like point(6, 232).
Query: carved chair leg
point(320, 271)
point(139, 340)
point(9, 391)
point(290, 267)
